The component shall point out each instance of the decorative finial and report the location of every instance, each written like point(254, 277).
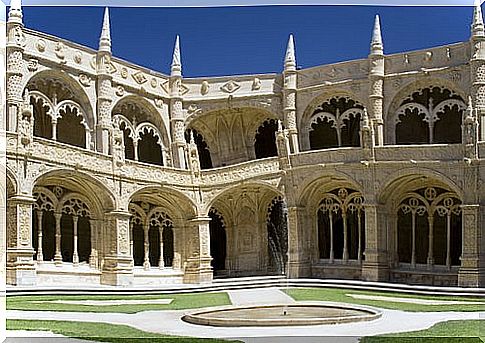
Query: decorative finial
point(280, 126)
point(477, 25)
point(15, 13)
point(105, 38)
point(176, 68)
point(376, 46)
point(290, 60)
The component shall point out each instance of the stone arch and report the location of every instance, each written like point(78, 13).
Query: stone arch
point(427, 108)
point(100, 196)
point(230, 132)
point(160, 216)
point(139, 119)
point(334, 114)
point(61, 104)
point(12, 185)
point(218, 240)
point(244, 209)
point(425, 226)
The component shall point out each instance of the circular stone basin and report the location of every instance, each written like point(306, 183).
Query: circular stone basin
point(283, 315)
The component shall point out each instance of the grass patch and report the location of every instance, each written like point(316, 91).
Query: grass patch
point(101, 332)
point(180, 302)
point(463, 331)
point(339, 295)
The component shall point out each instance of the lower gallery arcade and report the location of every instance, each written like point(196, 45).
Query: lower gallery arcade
point(74, 234)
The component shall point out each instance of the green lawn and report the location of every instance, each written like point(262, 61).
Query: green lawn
point(339, 295)
point(180, 301)
point(101, 332)
point(463, 331)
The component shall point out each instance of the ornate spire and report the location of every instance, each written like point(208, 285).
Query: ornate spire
point(290, 60)
point(176, 68)
point(477, 25)
point(105, 38)
point(15, 13)
point(376, 46)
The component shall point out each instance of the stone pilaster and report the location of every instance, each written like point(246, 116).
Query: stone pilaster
point(375, 266)
point(289, 95)
point(198, 263)
point(117, 268)
point(20, 263)
point(477, 67)
point(104, 86)
point(298, 244)
point(472, 250)
point(15, 65)
point(376, 83)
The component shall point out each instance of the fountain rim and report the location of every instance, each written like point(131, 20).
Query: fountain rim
point(197, 317)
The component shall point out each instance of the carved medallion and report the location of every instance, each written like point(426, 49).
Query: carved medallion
point(158, 103)
point(40, 45)
point(84, 80)
point(124, 73)
point(139, 77)
point(204, 88)
point(78, 57)
point(256, 86)
point(230, 87)
point(153, 82)
point(33, 64)
point(120, 91)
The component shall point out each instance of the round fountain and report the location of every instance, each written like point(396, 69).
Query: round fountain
point(300, 313)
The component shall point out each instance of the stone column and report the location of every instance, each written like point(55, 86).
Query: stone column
point(146, 248)
point(299, 252)
point(58, 255)
point(161, 262)
point(471, 268)
point(20, 268)
point(75, 256)
point(198, 264)
point(375, 266)
point(40, 256)
point(117, 268)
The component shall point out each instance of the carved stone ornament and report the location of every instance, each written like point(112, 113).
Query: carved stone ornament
point(158, 103)
point(153, 82)
point(33, 64)
point(139, 77)
point(193, 109)
point(204, 88)
point(60, 50)
point(428, 57)
point(120, 91)
point(124, 73)
point(40, 45)
point(78, 57)
point(455, 76)
point(230, 87)
point(85, 80)
point(256, 86)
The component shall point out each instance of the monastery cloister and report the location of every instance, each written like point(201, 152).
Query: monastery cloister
point(367, 169)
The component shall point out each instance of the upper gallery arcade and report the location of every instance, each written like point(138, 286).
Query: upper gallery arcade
point(366, 169)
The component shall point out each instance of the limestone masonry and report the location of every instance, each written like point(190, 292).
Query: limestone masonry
point(367, 169)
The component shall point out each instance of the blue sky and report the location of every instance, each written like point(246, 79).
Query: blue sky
point(247, 40)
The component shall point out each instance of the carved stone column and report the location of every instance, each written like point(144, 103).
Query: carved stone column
point(472, 269)
point(198, 264)
point(375, 266)
point(299, 252)
point(20, 253)
point(117, 268)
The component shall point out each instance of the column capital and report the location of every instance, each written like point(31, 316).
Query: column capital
point(119, 214)
point(21, 199)
point(201, 220)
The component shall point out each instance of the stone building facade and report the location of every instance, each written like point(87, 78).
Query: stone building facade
point(367, 169)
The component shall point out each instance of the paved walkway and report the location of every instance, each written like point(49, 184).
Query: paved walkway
point(169, 322)
point(261, 296)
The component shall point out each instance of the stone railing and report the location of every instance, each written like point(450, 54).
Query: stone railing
point(242, 171)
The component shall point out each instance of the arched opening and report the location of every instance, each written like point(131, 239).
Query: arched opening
point(341, 225)
point(70, 128)
point(277, 230)
point(128, 142)
point(42, 121)
point(265, 142)
point(218, 241)
point(138, 244)
point(202, 148)
point(429, 228)
point(154, 245)
point(429, 115)
point(149, 150)
point(335, 123)
point(168, 248)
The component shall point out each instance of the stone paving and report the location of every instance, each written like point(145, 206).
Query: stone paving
point(169, 322)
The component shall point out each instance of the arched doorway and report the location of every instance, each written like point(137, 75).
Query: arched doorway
point(277, 230)
point(265, 140)
point(218, 242)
